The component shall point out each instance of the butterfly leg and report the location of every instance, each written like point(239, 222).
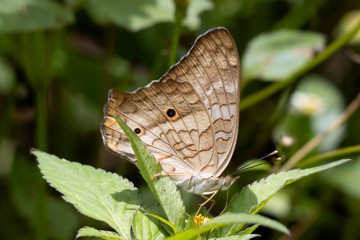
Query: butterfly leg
point(159, 175)
point(210, 199)
point(226, 203)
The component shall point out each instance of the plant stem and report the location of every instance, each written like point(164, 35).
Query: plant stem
point(41, 118)
point(328, 155)
point(315, 141)
point(37, 67)
point(275, 87)
point(180, 13)
point(37, 55)
point(174, 43)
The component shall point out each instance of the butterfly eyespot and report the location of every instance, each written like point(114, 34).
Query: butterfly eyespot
point(137, 131)
point(171, 114)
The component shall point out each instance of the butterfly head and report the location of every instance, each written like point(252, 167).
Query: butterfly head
point(227, 181)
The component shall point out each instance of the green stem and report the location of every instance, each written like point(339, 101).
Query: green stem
point(36, 67)
point(38, 59)
point(38, 56)
point(328, 155)
point(174, 43)
point(110, 53)
point(180, 13)
point(270, 90)
point(41, 118)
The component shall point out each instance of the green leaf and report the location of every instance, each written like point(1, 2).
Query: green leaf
point(229, 219)
point(300, 13)
point(163, 188)
point(330, 105)
point(58, 210)
point(163, 220)
point(145, 227)
point(29, 195)
point(92, 232)
point(7, 155)
point(275, 56)
point(31, 15)
point(242, 237)
point(98, 194)
point(7, 77)
point(136, 15)
point(249, 230)
point(192, 19)
point(348, 22)
point(254, 196)
point(133, 15)
point(345, 177)
point(312, 108)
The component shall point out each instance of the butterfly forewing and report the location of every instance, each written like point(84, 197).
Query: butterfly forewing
point(189, 118)
point(212, 67)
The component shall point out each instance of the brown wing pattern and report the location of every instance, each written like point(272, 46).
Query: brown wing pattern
point(212, 67)
point(173, 140)
point(188, 119)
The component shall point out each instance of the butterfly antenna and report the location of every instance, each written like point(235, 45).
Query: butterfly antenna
point(275, 152)
point(257, 163)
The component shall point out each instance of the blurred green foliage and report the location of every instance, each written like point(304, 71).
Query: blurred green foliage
point(58, 59)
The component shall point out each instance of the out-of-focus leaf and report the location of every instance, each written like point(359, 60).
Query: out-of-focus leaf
point(195, 8)
point(80, 71)
point(81, 113)
point(291, 133)
point(7, 153)
point(301, 11)
point(74, 4)
point(118, 67)
point(31, 15)
point(347, 23)
point(274, 56)
point(29, 195)
point(136, 15)
point(278, 206)
point(133, 15)
point(315, 103)
point(7, 77)
point(346, 178)
point(58, 210)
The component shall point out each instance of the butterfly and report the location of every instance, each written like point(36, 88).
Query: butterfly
point(188, 119)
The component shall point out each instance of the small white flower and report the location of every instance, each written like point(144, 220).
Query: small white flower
point(307, 103)
point(286, 141)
